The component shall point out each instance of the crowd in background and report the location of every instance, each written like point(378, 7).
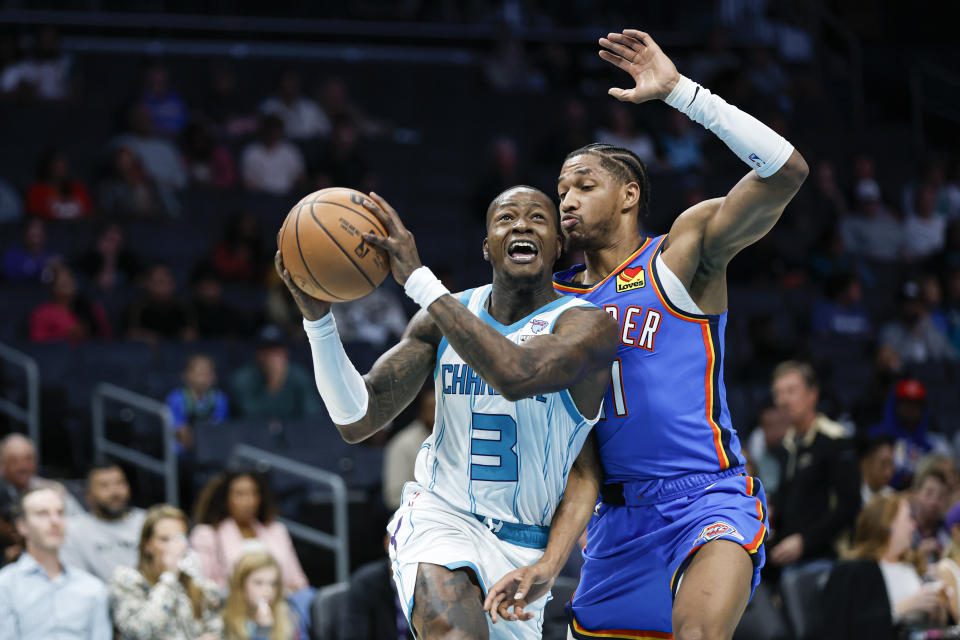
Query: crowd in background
point(860, 469)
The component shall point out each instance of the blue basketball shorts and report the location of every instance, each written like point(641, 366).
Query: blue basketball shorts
point(641, 539)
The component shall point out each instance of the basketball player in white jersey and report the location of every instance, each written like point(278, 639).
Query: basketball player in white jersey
point(519, 372)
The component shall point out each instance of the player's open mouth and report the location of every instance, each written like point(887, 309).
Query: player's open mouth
point(522, 251)
point(568, 222)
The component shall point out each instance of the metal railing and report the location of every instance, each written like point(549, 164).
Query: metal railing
point(922, 101)
point(29, 415)
point(166, 467)
point(339, 541)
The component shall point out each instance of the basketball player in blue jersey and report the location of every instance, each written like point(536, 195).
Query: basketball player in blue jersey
point(520, 372)
point(675, 547)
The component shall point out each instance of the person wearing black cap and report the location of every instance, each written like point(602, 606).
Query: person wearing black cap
point(273, 387)
point(912, 334)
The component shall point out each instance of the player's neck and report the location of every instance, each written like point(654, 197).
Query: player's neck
point(511, 301)
point(602, 262)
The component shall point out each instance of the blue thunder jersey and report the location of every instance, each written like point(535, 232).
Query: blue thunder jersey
point(666, 412)
point(499, 459)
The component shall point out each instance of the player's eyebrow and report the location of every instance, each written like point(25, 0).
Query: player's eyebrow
point(578, 172)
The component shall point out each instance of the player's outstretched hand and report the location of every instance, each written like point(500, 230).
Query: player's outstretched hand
point(399, 243)
point(636, 53)
point(310, 307)
point(517, 589)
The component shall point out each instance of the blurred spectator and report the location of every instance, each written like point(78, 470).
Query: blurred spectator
point(335, 101)
point(876, 467)
point(198, 401)
point(929, 505)
point(819, 492)
point(256, 608)
point(225, 108)
point(159, 156)
point(925, 229)
point(208, 164)
point(508, 69)
point(273, 387)
point(829, 257)
point(622, 131)
point(215, 317)
point(882, 535)
point(843, 314)
point(872, 231)
point(887, 369)
point(828, 201)
point(570, 131)
point(167, 109)
point(932, 296)
point(377, 319)
point(948, 569)
point(681, 144)
point(341, 163)
point(165, 597)
point(767, 76)
point(235, 514)
point(127, 192)
point(40, 598)
point(906, 419)
point(11, 205)
point(767, 349)
point(952, 306)
point(400, 454)
point(374, 609)
point(272, 164)
point(951, 189)
point(30, 260)
point(158, 313)
point(44, 75)
point(302, 118)
point(69, 316)
point(501, 172)
point(239, 255)
point(716, 58)
point(106, 538)
point(913, 333)
point(762, 444)
point(108, 262)
point(57, 194)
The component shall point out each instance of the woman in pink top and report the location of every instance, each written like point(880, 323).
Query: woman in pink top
point(235, 513)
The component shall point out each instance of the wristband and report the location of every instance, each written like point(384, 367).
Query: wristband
point(423, 287)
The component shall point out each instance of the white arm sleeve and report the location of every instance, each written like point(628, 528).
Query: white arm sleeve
point(762, 148)
point(340, 384)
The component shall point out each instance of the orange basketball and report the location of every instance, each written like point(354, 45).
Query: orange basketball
point(323, 250)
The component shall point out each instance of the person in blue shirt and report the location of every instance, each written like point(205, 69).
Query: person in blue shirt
point(40, 598)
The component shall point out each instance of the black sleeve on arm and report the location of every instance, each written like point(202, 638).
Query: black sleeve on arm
point(843, 475)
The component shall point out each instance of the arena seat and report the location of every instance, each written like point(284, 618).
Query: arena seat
point(802, 590)
point(328, 612)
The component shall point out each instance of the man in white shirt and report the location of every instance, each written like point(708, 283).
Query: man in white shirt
point(272, 164)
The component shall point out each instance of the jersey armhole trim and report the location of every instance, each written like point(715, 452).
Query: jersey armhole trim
point(660, 291)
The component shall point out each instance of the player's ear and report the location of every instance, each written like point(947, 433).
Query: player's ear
point(629, 196)
point(486, 250)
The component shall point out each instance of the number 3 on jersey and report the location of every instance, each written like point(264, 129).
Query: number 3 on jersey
point(492, 441)
point(617, 393)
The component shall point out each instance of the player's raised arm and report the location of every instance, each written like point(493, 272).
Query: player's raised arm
point(362, 405)
point(712, 235)
point(584, 340)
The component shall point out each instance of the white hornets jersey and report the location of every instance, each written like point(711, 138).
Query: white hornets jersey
point(498, 459)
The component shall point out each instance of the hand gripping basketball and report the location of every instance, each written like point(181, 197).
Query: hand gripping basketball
point(399, 243)
point(310, 307)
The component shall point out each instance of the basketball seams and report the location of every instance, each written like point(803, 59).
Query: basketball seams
point(339, 246)
point(304, 260)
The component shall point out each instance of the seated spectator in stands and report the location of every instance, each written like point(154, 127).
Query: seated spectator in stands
point(622, 131)
point(906, 419)
point(681, 145)
point(167, 109)
point(127, 192)
point(843, 314)
point(30, 260)
point(57, 194)
point(882, 535)
point(377, 319)
point(400, 454)
point(273, 387)
point(106, 538)
point(225, 109)
point(887, 370)
point(374, 611)
point(256, 608)
point(69, 316)
point(334, 98)
point(208, 164)
point(872, 231)
point(272, 164)
point(165, 597)
point(932, 296)
point(928, 502)
point(108, 262)
point(158, 313)
point(925, 229)
point(876, 467)
point(45, 75)
point(948, 569)
point(11, 205)
point(819, 492)
point(235, 513)
point(239, 255)
point(215, 317)
point(340, 162)
point(913, 334)
point(952, 305)
point(198, 401)
point(302, 117)
point(40, 597)
point(762, 444)
point(159, 156)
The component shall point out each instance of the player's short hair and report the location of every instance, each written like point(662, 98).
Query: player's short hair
point(19, 511)
point(926, 474)
point(867, 446)
point(552, 208)
point(106, 465)
point(623, 164)
point(804, 369)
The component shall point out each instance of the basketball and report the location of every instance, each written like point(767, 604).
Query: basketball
point(323, 249)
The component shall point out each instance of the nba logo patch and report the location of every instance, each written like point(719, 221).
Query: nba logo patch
point(717, 529)
point(630, 278)
point(538, 325)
